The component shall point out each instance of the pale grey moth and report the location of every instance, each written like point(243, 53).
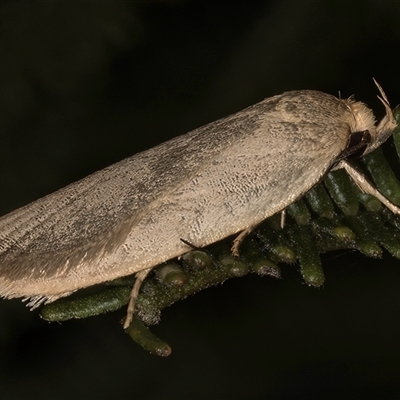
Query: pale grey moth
point(221, 179)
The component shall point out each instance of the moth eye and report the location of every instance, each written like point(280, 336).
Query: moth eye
point(359, 141)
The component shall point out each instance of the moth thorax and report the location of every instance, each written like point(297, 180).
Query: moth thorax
point(363, 118)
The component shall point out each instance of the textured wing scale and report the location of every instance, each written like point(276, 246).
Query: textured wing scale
point(203, 186)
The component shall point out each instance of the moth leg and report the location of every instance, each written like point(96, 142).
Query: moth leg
point(239, 239)
point(191, 245)
point(283, 218)
point(363, 183)
point(140, 277)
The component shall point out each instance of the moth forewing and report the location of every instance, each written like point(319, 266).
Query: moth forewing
point(218, 180)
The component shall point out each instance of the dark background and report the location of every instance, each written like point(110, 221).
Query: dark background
point(85, 84)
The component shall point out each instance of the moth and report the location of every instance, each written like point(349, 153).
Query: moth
point(221, 179)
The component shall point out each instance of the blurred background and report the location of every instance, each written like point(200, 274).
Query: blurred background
point(85, 84)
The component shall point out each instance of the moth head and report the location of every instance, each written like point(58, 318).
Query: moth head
point(365, 135)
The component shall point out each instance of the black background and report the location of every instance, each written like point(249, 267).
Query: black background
point(85, 84)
